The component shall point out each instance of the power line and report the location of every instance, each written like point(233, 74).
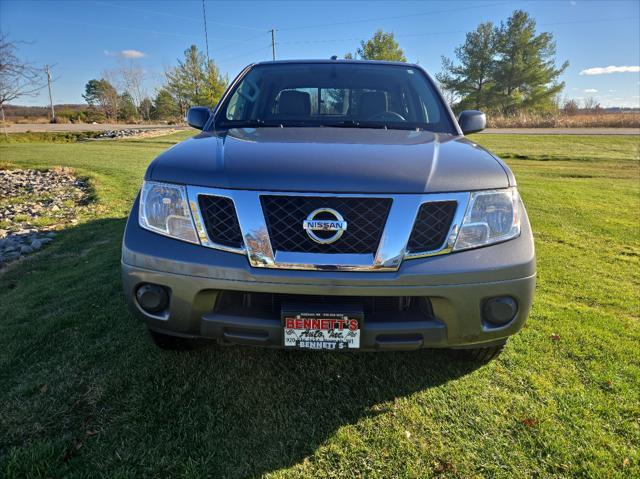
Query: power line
point(140, 30)
point(589, 21)
point(246, 40)
point(395, 17)
point(171, 15)
point(449, 32)
point(235, 57)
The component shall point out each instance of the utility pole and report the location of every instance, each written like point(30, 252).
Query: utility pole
point(273, 42)
point(4, 123)
point(206, 36)
point(48, 72)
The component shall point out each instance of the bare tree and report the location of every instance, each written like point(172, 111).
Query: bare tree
point(590, 104)
point(450, 96)
point(17, 77)
point(132, 78)
point(571, 107)
point(115, 79)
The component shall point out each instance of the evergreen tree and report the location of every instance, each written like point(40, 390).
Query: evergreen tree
point(525, 71)
point(102, 95)
point(195, 81)
point(127, 110)
point(472, 79)
point(507, 68)
point(165, 106)
point(382, 46)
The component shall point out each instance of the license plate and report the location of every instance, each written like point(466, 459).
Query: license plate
point(322, 327)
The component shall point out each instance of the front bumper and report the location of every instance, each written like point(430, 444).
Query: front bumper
point(456, 285)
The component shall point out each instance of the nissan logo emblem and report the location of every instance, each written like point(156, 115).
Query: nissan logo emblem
point(337, 224)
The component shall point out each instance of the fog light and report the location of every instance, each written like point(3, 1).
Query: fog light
point(500, 310)
point(152, 298)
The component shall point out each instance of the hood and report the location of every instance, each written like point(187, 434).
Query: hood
point(330, 160)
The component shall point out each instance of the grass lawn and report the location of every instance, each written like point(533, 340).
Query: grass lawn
point(84, 393)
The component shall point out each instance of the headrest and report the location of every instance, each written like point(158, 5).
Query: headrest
point(294, 103)
point(373, 103)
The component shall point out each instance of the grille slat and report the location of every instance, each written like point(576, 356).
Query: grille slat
point(431, 226)
point(220, 220)
point(268, 305)
point(365, 219)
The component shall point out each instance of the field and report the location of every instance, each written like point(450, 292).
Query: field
point(84, 393)
point(630, 119)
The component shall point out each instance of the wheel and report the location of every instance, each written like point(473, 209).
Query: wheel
point(174, 343)
point(479, 355)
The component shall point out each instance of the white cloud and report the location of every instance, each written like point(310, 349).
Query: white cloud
point(126, 54)
point(132, 54)
point(620, 102)
point(591, 90)
point(610, 69)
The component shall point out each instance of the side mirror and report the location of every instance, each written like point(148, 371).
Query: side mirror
point(197, 116)
point(472, 121)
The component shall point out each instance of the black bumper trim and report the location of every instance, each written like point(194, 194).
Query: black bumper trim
point(375, 336)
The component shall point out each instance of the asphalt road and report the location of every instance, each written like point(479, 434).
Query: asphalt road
point(563, 131)
point(70, 127)
point(44, 127)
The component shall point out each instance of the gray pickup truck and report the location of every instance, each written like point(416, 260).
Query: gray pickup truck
point(331, 205)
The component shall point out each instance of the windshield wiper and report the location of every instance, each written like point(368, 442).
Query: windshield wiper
point(371, 124)
point(260, 123)
point(352, 124)
point(257, 123)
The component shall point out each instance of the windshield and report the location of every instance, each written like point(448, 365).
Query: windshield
point(335, 94)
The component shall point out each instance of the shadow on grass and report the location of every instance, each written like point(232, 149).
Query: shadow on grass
point(220, 411)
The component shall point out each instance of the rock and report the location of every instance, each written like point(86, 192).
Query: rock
point(53, 194)
point(10, 256)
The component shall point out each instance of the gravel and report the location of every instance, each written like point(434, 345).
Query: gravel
point(33, 204)
point(121, 133)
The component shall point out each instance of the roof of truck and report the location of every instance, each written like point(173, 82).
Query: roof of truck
point(338, 60)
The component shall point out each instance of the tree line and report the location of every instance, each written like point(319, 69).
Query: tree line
point(120, 94)
point(505, 68)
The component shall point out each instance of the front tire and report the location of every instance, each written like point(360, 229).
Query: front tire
point(174, 343)
point(479, 355)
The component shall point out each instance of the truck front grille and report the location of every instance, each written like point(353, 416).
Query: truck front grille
point(432, 226)
point(376, 308)
point(365, 217)
point(220, 220)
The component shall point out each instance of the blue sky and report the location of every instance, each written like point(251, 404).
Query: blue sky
point(84, 38)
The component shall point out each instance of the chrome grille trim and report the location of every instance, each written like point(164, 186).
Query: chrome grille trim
point(388, 257)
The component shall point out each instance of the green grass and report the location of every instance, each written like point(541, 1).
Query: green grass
point(53, 137)
point(83, 393)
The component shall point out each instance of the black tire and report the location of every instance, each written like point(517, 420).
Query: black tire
point(175, 343)
point(479, 355)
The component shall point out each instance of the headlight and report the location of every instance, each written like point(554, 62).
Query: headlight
point(492, 216)
point(164, 209)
